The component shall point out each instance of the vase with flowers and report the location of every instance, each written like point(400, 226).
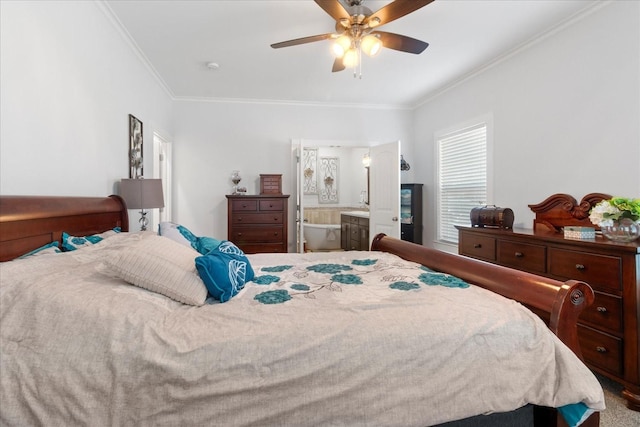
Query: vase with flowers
point(618, 218)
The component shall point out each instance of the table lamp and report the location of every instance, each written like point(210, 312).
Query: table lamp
point(142, 194)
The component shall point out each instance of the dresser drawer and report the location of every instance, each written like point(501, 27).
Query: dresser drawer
point(256, 234)
point(604, 313)
point(483, 247)
point(522, 256)
point(597, 270)
point(272, 205)
point(600, 349)
point(244, 205)
point(258, 218)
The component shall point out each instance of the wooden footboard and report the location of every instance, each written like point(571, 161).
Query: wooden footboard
point(562, 301)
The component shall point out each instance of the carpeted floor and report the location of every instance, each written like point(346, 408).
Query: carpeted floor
point(616, 414)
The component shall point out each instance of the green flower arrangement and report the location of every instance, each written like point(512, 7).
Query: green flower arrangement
point(607, 211)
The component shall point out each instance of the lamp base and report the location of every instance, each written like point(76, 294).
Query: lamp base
point(143, 220)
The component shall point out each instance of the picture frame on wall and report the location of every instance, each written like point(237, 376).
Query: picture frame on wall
point(135, 148)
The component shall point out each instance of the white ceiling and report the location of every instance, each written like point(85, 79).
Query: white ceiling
point(179, 37)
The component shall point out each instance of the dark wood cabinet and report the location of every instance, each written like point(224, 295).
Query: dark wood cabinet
point(411, 213)
point(608, 329)
point(258, 223)
point(354, 233)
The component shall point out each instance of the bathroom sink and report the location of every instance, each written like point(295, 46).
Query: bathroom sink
point(359, 214)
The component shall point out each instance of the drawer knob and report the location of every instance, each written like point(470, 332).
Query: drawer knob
point(580, 267)
point(275, 218)
point(519, 254)
point(275, 234)
point(601, 349)
point(477, 246)
point(601, 309)
point(239, 234)
point(239, 219)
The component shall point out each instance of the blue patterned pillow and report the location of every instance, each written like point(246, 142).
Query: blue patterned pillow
point(71, 243)
point(49, 248)
point(224, 271)
point(204, 245)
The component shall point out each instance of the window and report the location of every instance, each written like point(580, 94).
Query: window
point(462, 176)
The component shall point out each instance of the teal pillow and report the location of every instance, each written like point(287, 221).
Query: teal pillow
point(71, 243)
point(204, 245)
point(224, 271)
point(49, 248)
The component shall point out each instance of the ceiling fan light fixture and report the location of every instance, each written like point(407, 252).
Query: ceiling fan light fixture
point(351, 58)
point(374, 22)
point(341, 45)
point(371, 45)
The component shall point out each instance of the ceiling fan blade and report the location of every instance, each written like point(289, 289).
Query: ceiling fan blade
point(302, 40)
point(394, 10)
point(333, 8)
point(401, 43)
point(338, 65)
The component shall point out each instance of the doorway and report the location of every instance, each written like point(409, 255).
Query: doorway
point(329, 177)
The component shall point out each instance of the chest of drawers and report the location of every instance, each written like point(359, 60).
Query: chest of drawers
point(608, 330)
point(258, 223)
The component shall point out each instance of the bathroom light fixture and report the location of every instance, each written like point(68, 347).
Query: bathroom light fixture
point(404, 166)
point(366, 160)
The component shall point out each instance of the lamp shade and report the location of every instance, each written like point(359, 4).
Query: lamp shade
point(142, 193)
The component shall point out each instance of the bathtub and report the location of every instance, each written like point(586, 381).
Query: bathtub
point(322, 237)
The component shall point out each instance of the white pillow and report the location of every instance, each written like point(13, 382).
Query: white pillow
point(161, 265)
point(177, 232)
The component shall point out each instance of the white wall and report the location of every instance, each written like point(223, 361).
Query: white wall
point(566, 116)
point(69, 80)
point(212, 139)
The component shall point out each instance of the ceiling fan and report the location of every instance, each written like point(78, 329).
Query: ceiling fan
point(356, 31)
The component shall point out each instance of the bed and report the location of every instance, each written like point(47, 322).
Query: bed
point(399, 335)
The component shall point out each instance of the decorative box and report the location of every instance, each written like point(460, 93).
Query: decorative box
point(270, 184)
point(579, 232)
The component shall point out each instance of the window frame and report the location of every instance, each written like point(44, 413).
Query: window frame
point(487, 121)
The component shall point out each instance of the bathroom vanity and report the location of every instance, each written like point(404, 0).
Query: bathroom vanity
point(354, 231)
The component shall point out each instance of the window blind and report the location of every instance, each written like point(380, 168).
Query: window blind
point(462, 178)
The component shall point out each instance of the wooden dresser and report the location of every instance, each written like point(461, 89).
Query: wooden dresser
point(258, 223)
point(608, 330)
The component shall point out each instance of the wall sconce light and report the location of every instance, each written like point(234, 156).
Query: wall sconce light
point(142, 194)
point(404, 166)
point(366, 160)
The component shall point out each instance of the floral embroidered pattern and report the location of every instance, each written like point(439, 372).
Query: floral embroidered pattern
point(276, 268)
point(364, 261)
point(435, 279)
point(404, 286)
point(267, 279)
point(277, 296)
point(347, 279)
point(329, 268)
point(319, 280)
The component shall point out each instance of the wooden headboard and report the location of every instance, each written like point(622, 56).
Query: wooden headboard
point(561, 210)
point(28, 222)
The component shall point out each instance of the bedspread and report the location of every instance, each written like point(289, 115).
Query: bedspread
point(347, 339)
